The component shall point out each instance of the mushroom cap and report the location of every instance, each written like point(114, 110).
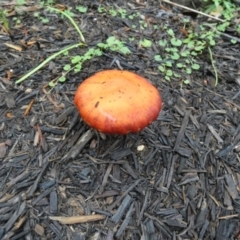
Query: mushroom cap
point(117, 102)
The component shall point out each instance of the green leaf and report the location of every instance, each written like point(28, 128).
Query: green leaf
point(122, 12)
point(90, 51)
point(146, 43)
point(76, 59)
point(185, 53)
point(69, 13)
point(222, 27)
point(170, 32)
point(65, 53)
point(212, 42)
point(188, 70)
point(191, 45)
point(157, 58)
point(176, 42)
point(193, 53)
point(101, 9)
point(82, 9)
point(179, 65)
point(98, 52)
point(45, 20)
point(125, 50)
point(51, 84)
point(169, 73)
point(78, 68)
point(168, 64)
point(167, 78)
point(175, 56)
point(113, 12)
point(111, 40)
point(87, 56)
point(187, 40)
point(195, 66)
point(102, 45)
point(67, 67)
point(176, 75)
point(163, 43)
point(173, 49)
point(199, 48)
point(161, 68)
point(186, 81)
point(62, 79)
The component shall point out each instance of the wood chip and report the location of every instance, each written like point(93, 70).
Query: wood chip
point(78, 219)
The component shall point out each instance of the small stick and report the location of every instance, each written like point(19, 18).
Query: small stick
point(192, 10)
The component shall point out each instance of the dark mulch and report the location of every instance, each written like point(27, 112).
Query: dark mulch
point(177, 179)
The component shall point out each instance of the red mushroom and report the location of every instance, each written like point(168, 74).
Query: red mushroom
point(117, 102)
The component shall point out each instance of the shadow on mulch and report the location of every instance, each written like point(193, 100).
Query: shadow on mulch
point(177, 179)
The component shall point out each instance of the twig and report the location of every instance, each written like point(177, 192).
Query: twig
point(193, 10)
point(213, 65)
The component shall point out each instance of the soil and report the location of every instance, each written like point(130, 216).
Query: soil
point(59, 179)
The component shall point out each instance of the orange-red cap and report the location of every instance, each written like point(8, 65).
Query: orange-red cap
point(117, 102)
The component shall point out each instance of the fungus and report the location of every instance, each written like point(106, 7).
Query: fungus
point(117, 102)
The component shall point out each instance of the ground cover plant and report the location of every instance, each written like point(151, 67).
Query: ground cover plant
point(182, 53)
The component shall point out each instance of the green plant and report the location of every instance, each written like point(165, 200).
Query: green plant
point(75, 64)
point(111, 44)
point(114, 44)
point(47, 61)
point(77, 61)
point(41, 18)
point(179, 54)
point(226, 8)
point(113, 11)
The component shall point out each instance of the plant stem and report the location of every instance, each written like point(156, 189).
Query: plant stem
point(46, 61)
point(71, 20)
point(4, 20)
point(214, 67)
